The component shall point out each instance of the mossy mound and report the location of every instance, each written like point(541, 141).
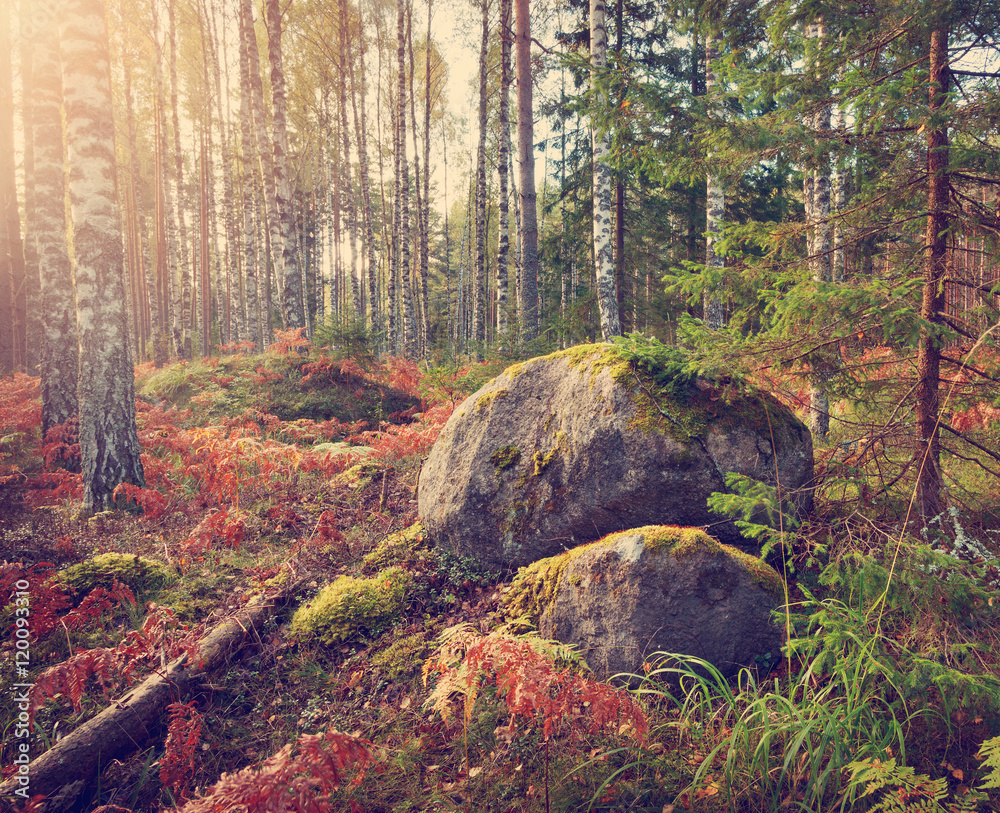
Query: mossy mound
point(352, 608)
point(289, 386)
point(143, 576)
point(402, 658)
point(395, 550)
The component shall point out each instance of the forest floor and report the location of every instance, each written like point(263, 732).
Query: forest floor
point(887, 696)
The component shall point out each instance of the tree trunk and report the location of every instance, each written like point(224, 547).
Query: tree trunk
point(32, 276)
point(503, 161)
point(403, 200)
point(249, 165)
point(182, 283)
point(715, 209)
point(479, 275)
point(292, 308)
point(64, 771)
point(109, 443)
point(528, 289)
point(360, 132)
point(273, 239)
point(930, 499)
point(60, 356)
point(231, 316)
point(817, 196)
point(607, 297)
point(12, 298)
point(166, 222)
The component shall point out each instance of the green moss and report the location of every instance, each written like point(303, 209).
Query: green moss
point(541, 461)
point(535, 586)
point(402, 658)
point(395, 549)
point(143, 576)
point(357, 476)
point(352, 608)
point(486, 400)
point(505, 457)
point(663, 406)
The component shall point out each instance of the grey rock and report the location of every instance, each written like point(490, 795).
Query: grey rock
point(565, 449)
point(656, 589)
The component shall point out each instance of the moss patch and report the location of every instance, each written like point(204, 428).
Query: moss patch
point(486, 400)
point(351, 608)
point(396, 549)
point(505, 457)
point(535, 586)
point(402, 658)
point(681, 412)
point(143, 576)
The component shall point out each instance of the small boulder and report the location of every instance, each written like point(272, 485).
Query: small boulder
point(564, 449)
point(655, 589)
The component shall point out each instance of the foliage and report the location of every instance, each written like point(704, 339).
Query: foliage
point(183, 735)
point(761, 517)
point(668, 366)
point(521, 666)
point(897, 788)
point(294, 784)
point(160, 637)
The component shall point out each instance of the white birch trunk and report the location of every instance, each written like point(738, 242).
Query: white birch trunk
point(604, 261)
point(109, 444)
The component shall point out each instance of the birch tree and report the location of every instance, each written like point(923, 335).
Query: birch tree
point(528, 289)
point(109, 443)
point(479, 274)
point(503, 160)
point(715, 205)
point(607, 297)
point(292, 304)
point(60, 357)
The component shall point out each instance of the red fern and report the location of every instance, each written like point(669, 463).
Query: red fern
point(61, 448)
point(285, 341)
point(299, 784)
point(177, 765)
point(532, 686)
point(43, 600)
point(70, 679)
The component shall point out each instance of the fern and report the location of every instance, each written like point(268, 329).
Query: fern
point(899, 789)
point(299, 784)
point(989, 751)
point(523, 670)
point(177, 764)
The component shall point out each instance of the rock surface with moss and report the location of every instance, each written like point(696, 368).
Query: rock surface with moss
point(564, 449)
point(655, 589)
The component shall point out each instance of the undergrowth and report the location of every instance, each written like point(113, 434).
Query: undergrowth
point(887, 697)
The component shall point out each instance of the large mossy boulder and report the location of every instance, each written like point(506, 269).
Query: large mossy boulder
point(565, 449)
point(656, 589)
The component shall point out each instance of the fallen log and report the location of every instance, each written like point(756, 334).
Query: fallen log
point(63, 772)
